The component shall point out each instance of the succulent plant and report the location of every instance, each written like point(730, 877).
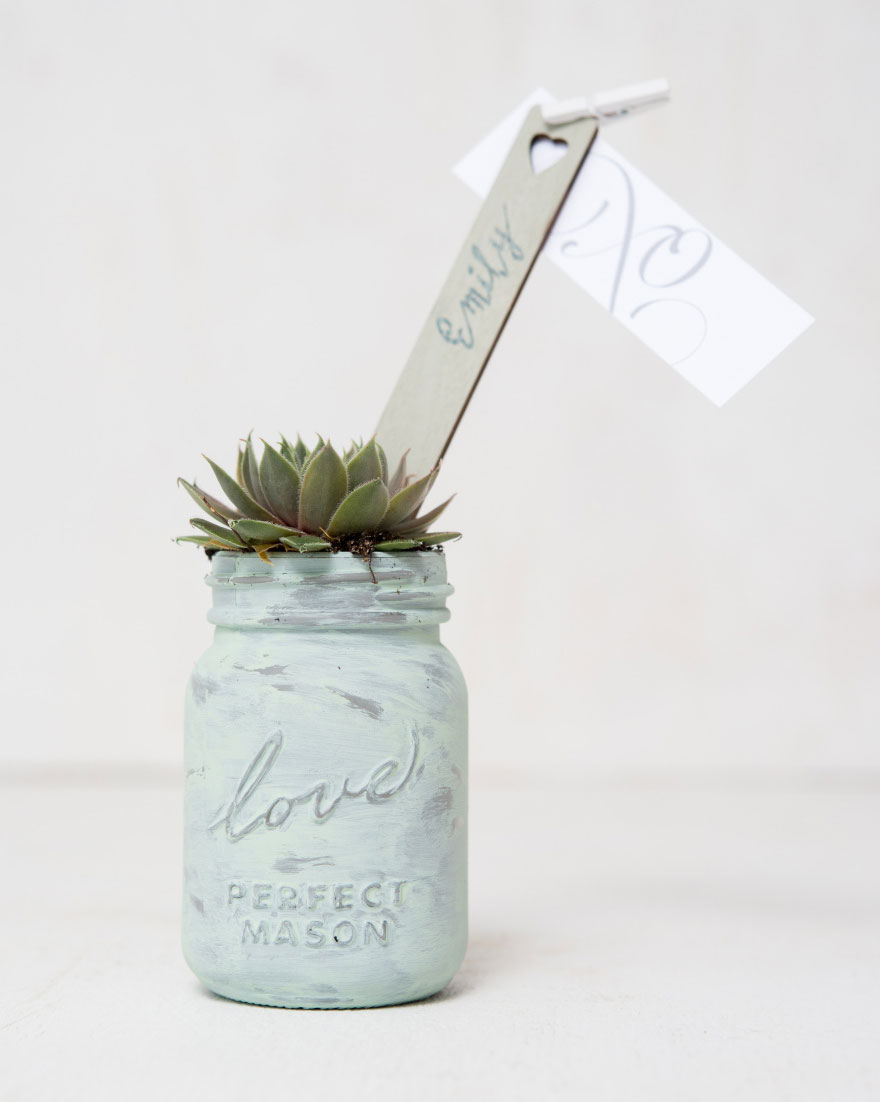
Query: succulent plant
point(294, 499)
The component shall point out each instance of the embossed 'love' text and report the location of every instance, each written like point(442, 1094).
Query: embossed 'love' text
point(383, 782)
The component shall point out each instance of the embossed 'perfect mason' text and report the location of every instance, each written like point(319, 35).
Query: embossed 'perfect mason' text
point(315, 916)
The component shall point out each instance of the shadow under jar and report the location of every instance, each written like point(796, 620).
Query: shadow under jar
point(325, 830)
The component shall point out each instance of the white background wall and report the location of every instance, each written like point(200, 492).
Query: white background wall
point(217, 216)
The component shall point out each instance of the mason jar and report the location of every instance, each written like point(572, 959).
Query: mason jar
point(325, 844)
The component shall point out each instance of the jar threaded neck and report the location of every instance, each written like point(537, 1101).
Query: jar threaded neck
point(324, 590)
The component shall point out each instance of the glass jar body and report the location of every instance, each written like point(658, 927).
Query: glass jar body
point(325, 858)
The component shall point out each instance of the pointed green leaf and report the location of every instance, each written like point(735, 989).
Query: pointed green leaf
point(324, 484)
point(383, 459)
point(364, 466)
point(261, 531)
point(244, 479)
point(405, 504)
point(361, 511)
point(286, 449)
point(398, 479)
point(211, 505)
point(239, 467)
point(239, 497)
point(396, 545)
point(313, 454)
point(250, 469)
point(218, 545)
point(420, 524)
point(300, 452)
point(305, 543)
point(296, 542)
point(432, 538)
point(202, 541)
point(279, 481)
point(219, 533)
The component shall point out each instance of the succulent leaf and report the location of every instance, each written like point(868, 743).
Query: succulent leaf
point(202, 541)
point(261, 531)
point(279, 480)
point(364, 466)
point(211, 505)
point(361, 511)
point(239, 497)
point(398, 479)
point(419, 525)
point(324, 485)
point(396, 545)
point(287, 451)
point(433, 538)
point(251, 471)
point(296, 540)
point(311, 455)
point(219, 533)
point(305, 543)
point(300, 451)
point(383, 460)
point(405, 504)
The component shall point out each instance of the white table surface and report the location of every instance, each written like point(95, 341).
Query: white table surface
point(644, 939)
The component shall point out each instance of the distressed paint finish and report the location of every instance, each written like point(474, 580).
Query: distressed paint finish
point(325, 859)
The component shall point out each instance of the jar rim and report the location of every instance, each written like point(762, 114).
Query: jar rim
point(328, 589)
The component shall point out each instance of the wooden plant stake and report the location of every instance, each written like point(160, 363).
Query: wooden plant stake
point(461, 331)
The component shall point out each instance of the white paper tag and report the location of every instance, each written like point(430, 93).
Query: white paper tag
point(699, 306)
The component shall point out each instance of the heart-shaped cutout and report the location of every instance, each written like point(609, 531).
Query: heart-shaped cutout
point(544, 152)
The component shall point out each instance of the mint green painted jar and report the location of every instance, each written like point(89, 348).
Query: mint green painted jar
point(325, 833)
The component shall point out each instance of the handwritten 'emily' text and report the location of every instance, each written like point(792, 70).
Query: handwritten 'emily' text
point(486, 273)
